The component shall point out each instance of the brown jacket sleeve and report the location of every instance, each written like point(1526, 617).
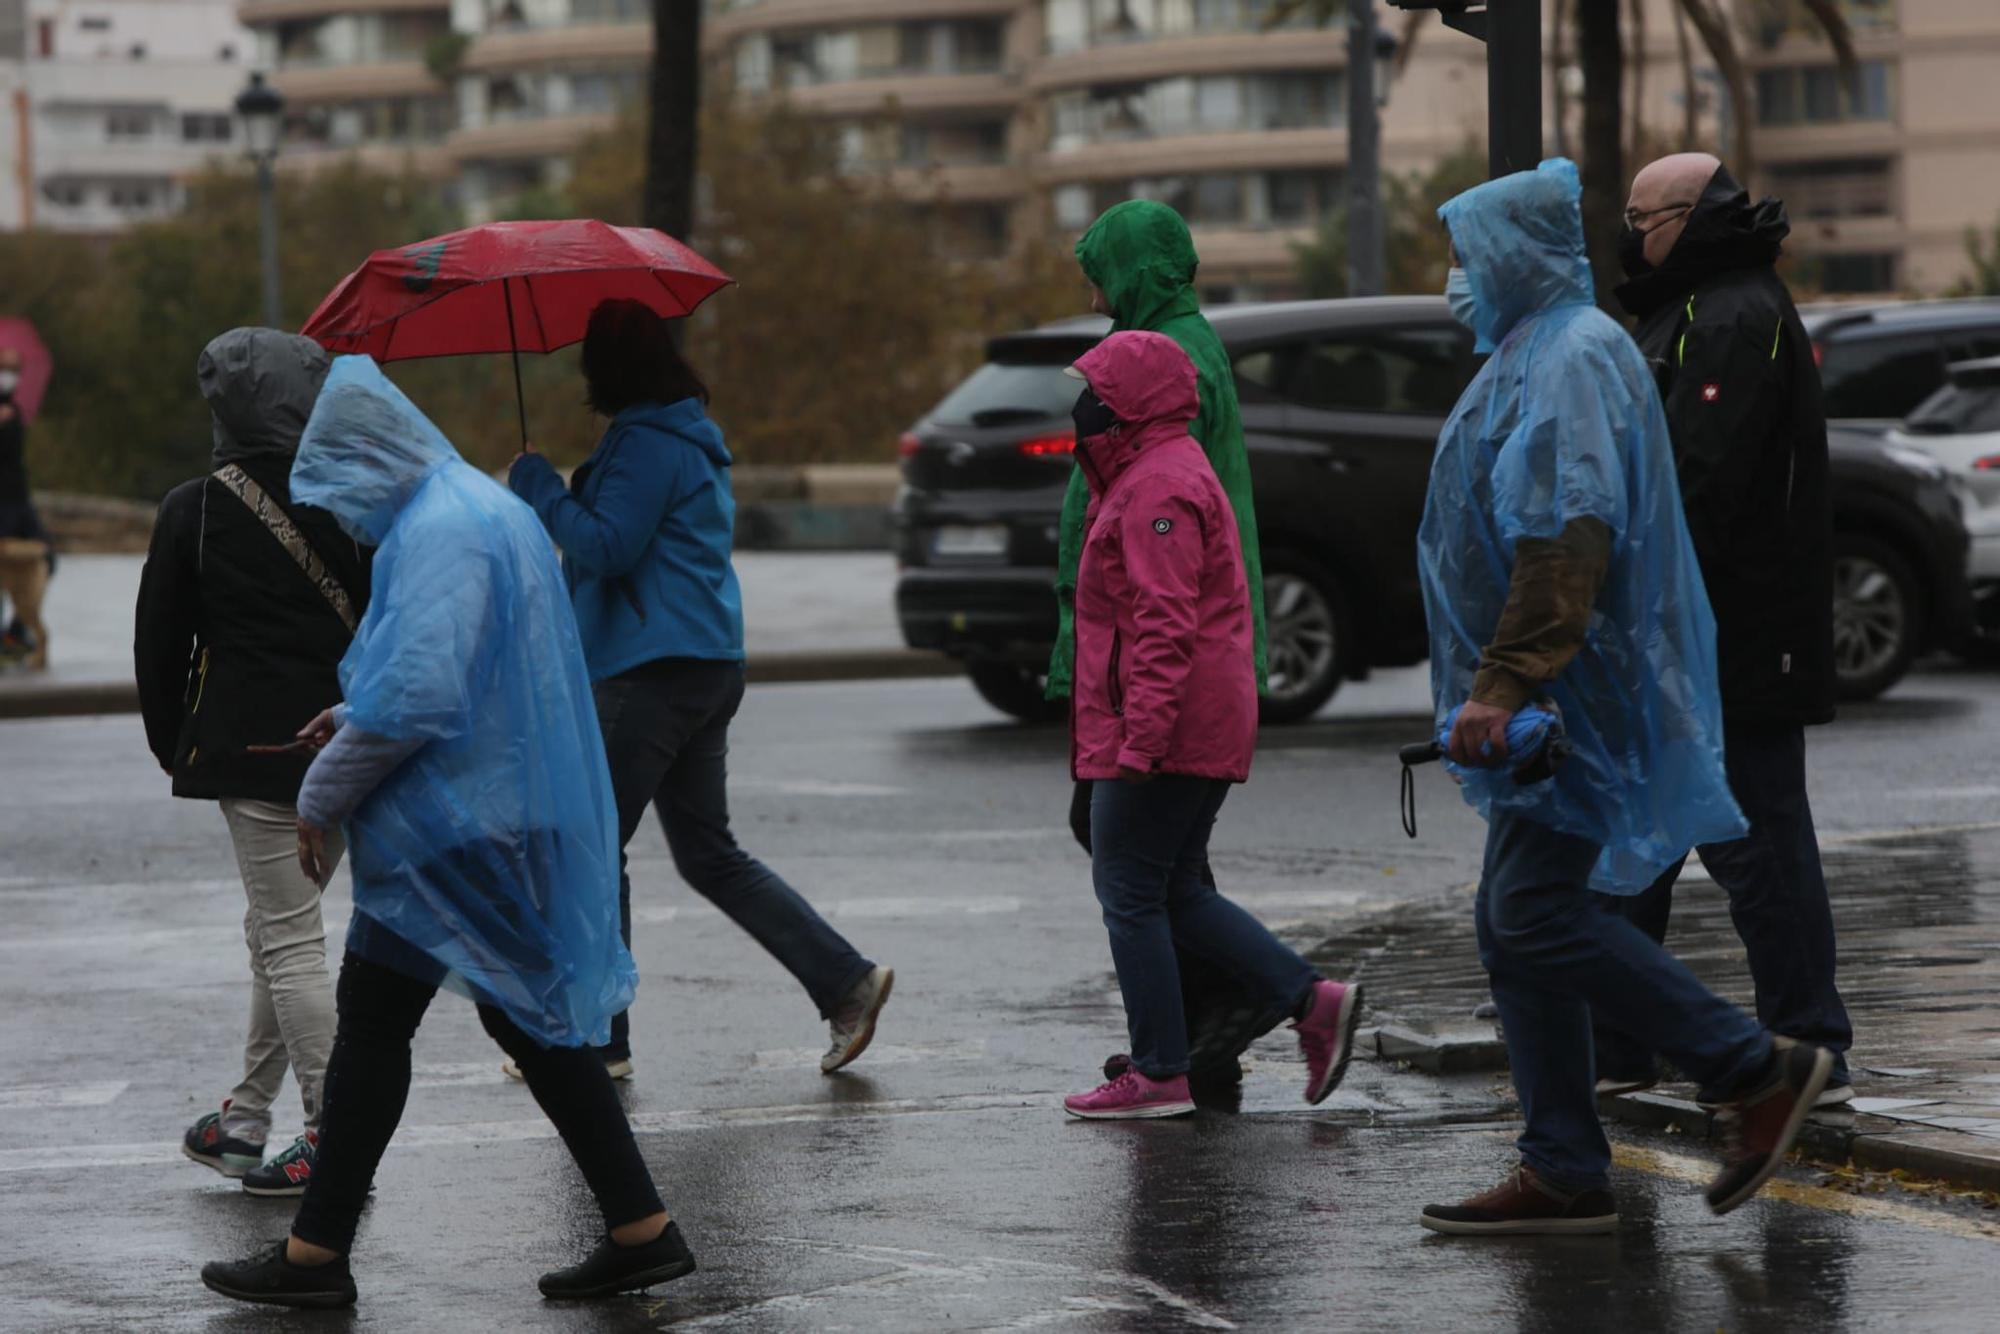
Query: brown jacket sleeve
point(1547, 615)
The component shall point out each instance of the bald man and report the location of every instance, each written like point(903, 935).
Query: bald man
point(1742, 393)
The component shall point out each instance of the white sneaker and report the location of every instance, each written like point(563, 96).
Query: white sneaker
point(616, 1069)
point(1835, 1095)
point(853, 1024)
point(1612, 1088)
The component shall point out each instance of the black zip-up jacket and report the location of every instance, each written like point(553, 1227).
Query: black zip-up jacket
point(1742, 394)
point(234, 646)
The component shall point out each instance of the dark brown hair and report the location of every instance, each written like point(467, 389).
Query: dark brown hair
point(629, 357)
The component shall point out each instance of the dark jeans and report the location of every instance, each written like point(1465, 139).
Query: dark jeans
point(666, 734)
point(1149, 864)
point(1777, 898)
point(368, 1080)
point(1556, 958)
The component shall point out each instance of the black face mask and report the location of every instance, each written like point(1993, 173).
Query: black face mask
point(1632, 253)
point(1091, 416)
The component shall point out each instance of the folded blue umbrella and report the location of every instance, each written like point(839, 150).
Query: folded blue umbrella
point(1536, 748)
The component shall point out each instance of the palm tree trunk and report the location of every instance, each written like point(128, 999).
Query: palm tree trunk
point(1602, 55)
point(674, 101)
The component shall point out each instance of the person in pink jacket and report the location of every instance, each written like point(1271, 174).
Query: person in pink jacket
point(1164, 718)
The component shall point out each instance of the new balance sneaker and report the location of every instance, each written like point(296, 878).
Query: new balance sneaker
point(612, 1269)
point(288, 1173)
point(272, 1280)
point(619, 1069)
point(1524, 1205)
point(1760, 1127)
point(853, 1024)
point(1132, 1097)
point(230, 1155)
point(1326, 1036)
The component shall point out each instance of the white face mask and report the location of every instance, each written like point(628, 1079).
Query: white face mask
point(1458, 291)
point(9, 381)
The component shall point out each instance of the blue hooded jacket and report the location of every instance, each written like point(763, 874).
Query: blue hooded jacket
point(1563, 423)
point(492, 851)
point(646, 527)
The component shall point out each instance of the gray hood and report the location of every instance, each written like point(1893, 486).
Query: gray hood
point(260, 385)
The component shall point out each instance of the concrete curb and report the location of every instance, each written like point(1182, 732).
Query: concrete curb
point(1857, 1139)
point(73, 699)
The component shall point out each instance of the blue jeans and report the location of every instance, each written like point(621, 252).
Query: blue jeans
point(1555, 958)
point(666, 735)
point(1149, 864)
point(1777, 899)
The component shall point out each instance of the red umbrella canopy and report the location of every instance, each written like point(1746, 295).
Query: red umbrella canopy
point(36, 363)
point(506, 287)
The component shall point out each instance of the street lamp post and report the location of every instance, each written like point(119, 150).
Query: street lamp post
point(1368, 47)
point(262, 110)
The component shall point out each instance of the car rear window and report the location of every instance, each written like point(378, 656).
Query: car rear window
point(1958, 410)
point(1880, 377)
point(1002, 392)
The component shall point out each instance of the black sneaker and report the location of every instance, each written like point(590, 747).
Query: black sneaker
point(207, 1145)
point(288, 1173)
point(273, 1280)
point(612, 1269)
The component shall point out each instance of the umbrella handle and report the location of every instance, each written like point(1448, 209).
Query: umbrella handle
point(514, 343)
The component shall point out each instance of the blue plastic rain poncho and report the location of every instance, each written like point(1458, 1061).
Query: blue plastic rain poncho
point(493, 850)
point(1564, 423)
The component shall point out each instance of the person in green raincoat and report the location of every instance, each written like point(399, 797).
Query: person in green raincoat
point(1140, 258)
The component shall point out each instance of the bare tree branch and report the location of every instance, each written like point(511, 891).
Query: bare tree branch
point(1715, 34)
point(1690, 98)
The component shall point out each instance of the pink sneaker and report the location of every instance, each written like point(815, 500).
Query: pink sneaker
point(1132, 1096)
point(1326, 1036)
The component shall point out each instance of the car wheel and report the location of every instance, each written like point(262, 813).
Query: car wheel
point(1306, 638)
point(1877, 617)
point(1015, 689)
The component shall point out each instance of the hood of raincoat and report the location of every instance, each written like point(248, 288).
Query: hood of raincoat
point(261, 385)
point(1149, 382)
point(1564, 423)
point(1725, 231)
point(365, 451)
point(1142, 256)
point(1520, 241)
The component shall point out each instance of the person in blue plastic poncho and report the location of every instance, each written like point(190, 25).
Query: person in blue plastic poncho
point(1557, 569)
point(467, 771)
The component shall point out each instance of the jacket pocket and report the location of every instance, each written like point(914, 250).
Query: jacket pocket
point(1115, 684)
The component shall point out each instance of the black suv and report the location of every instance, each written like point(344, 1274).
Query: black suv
point(1342, 403)
point(1878, 362)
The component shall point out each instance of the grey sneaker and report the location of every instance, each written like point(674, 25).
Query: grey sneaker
point(853, 1024)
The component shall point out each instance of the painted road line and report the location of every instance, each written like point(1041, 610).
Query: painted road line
point(63, 1095)
point(1695, 1172)
point(959, 1051)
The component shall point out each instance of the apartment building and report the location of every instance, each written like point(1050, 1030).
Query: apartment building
point(107, 105)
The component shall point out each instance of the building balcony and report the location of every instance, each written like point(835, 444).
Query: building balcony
point(526, 138)
point(304, 85)
point(143, 159)
point(1251, 150)
point(983, 183)
point(432, 161)
point(1858, 138)
point(1240, 252)
point(917, 94)
point(596, 44)
point(1222, 53)
point(720, 29)
point(263, 13)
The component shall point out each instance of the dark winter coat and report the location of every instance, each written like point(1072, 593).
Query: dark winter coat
point(1742, 393)
point(234, 645)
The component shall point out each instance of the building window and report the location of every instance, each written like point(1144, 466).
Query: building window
point(1842, 188)
point(64, 193)
point(1215, 104)
point(128, 125)
point(1079, 25)
point(204, 127)
point(1775, 20)
point(132, 196)
point(91, 23)
point(1819, 95)
point(1290, 199)
point(1851, 273)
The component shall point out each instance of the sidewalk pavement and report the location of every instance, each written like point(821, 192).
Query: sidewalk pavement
point(808, 615)
point(1918, 916)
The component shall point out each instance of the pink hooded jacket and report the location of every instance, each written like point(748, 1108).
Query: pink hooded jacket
point(1165, 668)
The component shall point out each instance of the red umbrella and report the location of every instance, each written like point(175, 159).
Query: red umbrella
point(506, 287)
point(36, 364)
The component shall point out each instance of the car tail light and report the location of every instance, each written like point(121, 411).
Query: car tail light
point(908, 444)
point(1048, 446)
point(1991, 463)
point(1819, 353)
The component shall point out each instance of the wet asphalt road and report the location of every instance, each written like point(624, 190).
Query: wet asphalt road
point(937, 1185)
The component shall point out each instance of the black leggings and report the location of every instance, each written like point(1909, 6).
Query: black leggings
point(368, 1080)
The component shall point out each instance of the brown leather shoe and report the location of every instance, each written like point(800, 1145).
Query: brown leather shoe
point(1524, 1205)
point(1760, 1127)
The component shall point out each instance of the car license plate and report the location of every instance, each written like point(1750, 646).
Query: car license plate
point(976, 541)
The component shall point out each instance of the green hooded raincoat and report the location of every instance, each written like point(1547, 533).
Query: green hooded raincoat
point(1140, 254)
